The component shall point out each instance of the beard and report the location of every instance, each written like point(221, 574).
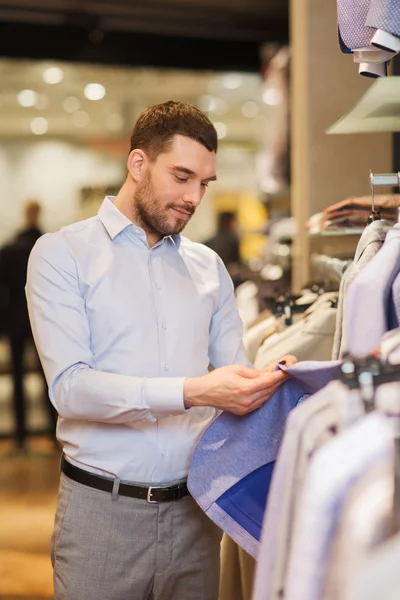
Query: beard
point(152, 216)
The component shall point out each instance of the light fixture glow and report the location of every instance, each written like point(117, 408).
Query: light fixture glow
point(221, 129)
point(27, 98)
point(94, 91)
point(53, 75)
point(39, 125)
point(232, 81)
point(250, 109)
point(272, 96)
point(71, 104)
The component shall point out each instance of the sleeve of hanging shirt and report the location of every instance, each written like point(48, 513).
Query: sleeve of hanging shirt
point(226, 329)
point(62, 336)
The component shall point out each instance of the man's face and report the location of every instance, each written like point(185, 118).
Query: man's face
point(173, 186)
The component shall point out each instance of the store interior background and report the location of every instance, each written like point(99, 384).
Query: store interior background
point(66, 150)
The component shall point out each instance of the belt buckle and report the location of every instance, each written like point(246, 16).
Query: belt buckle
point(149, 494)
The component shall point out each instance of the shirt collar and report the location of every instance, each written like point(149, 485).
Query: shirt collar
point(115, 222)
point(112, 218)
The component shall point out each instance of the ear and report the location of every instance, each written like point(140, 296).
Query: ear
point(136, 161)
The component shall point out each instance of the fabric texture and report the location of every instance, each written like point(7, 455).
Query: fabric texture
point(118, 327)
point(369, 244)
point(309, 426)
point(384, 14)
point(311, 338)
point(373, 298)
point(365, 523)
point(333, 472)
point(381, 574)
point(132, 550)
point(233, 463)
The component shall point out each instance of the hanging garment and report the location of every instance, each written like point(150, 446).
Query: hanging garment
point(232, 465)
point(237, 571)
point(309, 426)
point(254, 336)
point(311, 338)
point(370, 242)
point(384, 15)
point(381, 574)
point(373, 302)
point(334, 470)
point(365, 522)
point(372, 25)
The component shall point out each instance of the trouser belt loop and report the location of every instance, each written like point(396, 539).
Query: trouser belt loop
point(115, 490)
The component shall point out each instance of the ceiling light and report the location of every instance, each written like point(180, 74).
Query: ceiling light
point(26, 98)
point(94, 91)
point(39, 125)
point(232, 81)
point(71, 104)
point(250, 109)
point(53, 75)
point(80, 118)
point(115, 122)
point(221, 129)
point(272, 96)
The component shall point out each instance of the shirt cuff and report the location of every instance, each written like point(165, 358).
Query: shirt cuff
point(164, 396)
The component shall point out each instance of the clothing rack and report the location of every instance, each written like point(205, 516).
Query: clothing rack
point(380, 180)
point(367, 374)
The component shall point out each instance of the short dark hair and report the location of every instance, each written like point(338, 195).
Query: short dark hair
point(158, 124)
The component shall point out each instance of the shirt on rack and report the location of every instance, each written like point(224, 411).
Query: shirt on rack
point(381, 574)
point(311, 338)
point(365, 522)
point(253, 337)
point(118, 327)
point(334, 470)
point(369, 244)
point(232, 464)
point(374, 298)
point(308, 428)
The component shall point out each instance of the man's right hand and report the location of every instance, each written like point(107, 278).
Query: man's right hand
point(236, 389)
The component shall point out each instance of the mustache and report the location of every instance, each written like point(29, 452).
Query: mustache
point(184, 207)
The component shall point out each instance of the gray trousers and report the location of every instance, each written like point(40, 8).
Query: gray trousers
point(127, 549)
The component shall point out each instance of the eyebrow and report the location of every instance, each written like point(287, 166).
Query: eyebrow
point(192, 173)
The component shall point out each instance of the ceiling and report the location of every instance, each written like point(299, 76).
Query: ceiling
point(214, 34)
point(223, 96)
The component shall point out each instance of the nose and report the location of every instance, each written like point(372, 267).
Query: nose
point(194, 197)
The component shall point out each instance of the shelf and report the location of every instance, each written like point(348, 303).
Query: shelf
point(378, 110)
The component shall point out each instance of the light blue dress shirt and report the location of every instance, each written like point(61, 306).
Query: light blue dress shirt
point(118, 327)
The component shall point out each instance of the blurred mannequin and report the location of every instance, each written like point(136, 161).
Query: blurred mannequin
point(13, 265)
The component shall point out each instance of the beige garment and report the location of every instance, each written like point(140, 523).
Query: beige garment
point(309, 427)
point(311, 338)
point(254, 337)
point(237, 571)
point(364, 524)
point(380, 579)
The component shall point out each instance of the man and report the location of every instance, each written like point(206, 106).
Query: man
point(127, 316)
point(13, 265)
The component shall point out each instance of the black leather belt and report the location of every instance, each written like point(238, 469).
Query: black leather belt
point(152, 494)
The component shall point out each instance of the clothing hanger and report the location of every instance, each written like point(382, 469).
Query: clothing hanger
point(382, 179)
point(367, 374)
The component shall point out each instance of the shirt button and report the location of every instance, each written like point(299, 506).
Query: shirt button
point(158, 286)
point(164, 453)
point(166, 367)
point(164, 326)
